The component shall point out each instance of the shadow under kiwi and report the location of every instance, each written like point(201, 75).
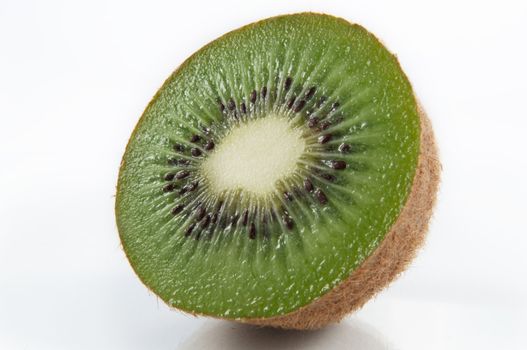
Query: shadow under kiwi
point(222, 335)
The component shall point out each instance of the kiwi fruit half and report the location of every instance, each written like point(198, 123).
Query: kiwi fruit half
point(281, 176)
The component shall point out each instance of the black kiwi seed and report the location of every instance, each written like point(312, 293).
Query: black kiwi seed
point(221, 105)
point(245, 217)
point(335, 106)
point(234, 219)
point(312, 122)
point(183, 162)
point(209, 145)
point(169, 176)
point(205, 223)
point(321, 101)
point(252, 231)
point(324, 125)
point(179, 148)
point(264, 92)
point(324, 138)
point(288, 222)
point(264, 225)
point(299, 106)
point(231, 105)
point(169, 187)
point(172, 161)
point(310, 92)
point(181, 174)
point(287, 83)
point(195, 138)
point(338, 164)
point(200, 213)
point(177, 209)
point(308, 185)
point(291, 102)
point(189, 230)
point(288, 196)
point(243, 108)
point(196, 152)
point(189, 187)
point(321, 196)
point(253, 96)
point(328, 177)
point(344, 148)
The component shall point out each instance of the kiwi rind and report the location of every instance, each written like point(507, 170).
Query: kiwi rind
point(389, 260)
point(312, 315)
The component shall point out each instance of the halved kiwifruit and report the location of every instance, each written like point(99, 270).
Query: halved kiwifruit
point(281, 176)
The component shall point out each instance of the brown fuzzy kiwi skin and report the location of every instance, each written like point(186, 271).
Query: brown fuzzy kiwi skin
point(392, 257)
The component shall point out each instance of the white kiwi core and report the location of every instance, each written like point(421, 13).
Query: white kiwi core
point(254, 156)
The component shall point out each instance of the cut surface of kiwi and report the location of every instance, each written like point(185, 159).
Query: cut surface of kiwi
point(271, 167)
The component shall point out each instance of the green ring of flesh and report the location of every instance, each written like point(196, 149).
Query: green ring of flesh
point(235, 277)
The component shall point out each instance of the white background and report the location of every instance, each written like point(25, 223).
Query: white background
point(74, 79)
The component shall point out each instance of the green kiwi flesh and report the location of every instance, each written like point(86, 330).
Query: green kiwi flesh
point(244, 252)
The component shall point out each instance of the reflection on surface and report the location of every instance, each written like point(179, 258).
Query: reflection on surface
point(350, 334)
